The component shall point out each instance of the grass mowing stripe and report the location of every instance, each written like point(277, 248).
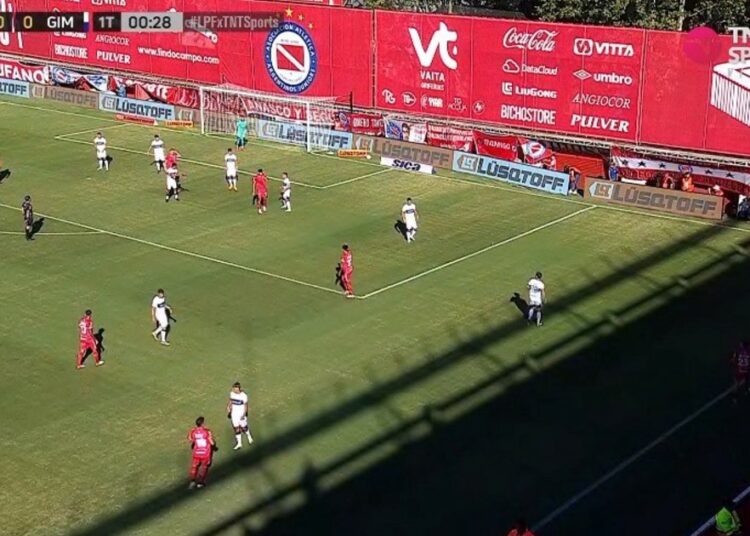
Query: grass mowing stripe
point(186, 253)
point(73, 233)
point(564, 507)
point(478, 252)
point(510, 189)
point(65, 137)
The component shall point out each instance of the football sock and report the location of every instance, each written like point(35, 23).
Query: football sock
point(106, 164)
point(238, 439)
point(163, 335)
point(249, 437)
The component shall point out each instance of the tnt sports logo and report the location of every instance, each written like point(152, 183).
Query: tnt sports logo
point(601, 190)
point(291, 58)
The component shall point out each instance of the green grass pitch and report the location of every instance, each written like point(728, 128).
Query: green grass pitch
point(427, 406)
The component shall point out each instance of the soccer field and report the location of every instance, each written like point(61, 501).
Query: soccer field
point(426, 406)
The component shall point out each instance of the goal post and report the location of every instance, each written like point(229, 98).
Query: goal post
point(296, 121)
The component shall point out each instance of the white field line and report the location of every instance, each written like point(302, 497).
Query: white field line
point(74, 233)
point(110, 127)
point(186, 253)
point(497, 186)
point(478, 252)
point(622, 466)
point(355, 179)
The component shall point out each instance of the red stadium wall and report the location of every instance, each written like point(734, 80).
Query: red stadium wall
point(617, 84)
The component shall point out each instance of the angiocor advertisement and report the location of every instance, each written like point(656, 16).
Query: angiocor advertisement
point(297, 135)
point(15, 88)
point(672, 201)
point(402, 150)
point(152, 110)
point(534, 177)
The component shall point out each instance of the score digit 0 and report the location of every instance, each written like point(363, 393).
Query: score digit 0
point(27, 22)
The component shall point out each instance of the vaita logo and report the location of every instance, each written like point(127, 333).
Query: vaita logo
point(438, 43)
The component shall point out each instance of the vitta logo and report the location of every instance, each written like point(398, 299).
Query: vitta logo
point(589, 47)
point(432, 102)
point(438, 43)
point(118, 3)
point(510, 89)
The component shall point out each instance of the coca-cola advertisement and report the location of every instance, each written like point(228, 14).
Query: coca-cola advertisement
point(563, 78)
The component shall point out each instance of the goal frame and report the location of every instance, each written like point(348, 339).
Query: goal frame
point(306, 103)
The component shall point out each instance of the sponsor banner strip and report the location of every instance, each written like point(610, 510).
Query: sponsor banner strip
point(534, 177)
point(405, 165)
point(297, 135)
point(671, 201)
point(153, 110)
point(14, 88)
point(135, 119)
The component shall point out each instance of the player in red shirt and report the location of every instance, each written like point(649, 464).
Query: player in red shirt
point(347, 271)
point(86, 339)
point(173, 156)
point(741, 363)
point(202, 443)
point(260, 191)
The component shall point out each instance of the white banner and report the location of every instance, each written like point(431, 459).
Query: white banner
point(406, 165)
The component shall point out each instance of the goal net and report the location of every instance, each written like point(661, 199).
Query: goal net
point(309, 122)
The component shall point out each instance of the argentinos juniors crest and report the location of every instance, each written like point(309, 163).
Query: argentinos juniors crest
point(291, 58)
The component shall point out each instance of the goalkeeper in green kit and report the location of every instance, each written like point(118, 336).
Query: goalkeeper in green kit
point(240, 133)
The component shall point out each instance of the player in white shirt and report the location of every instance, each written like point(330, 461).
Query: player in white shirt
point(230, 165)
point(409, 216)
point(100, 143)
point(537, 297)
point(286, 192)
point(173, 185)
point(160, 313)
point(157, 148)
point(237, 413)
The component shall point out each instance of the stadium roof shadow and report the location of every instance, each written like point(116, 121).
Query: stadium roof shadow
point(473, 472)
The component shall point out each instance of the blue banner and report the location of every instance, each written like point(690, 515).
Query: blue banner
point(122, 105)
point(297, 134)
point(547, 180)
point(14, 88)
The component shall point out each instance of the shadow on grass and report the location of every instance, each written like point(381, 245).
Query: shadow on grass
point(519, 441)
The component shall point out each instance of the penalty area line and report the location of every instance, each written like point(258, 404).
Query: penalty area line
point(622, 466)
point(478, 252)
point(66, 138)
point(186, 253)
